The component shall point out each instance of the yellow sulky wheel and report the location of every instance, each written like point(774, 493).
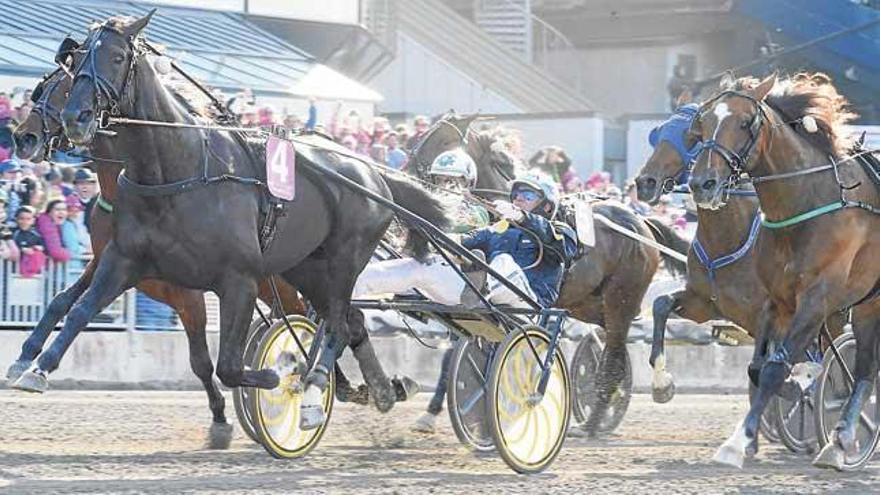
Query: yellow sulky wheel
point(528, 429)
point(275, 413)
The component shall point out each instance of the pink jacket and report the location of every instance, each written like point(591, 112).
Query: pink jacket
point(52, 237)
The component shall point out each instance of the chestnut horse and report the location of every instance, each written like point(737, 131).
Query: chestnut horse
point(819, 246)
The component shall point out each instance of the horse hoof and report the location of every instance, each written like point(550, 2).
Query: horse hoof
point(17, 369)
point(32, 381)
point(830, 457)
point(311, 417)
point(405, 387)
point(663, 395)
point(219, 436)
point(425, 424)
point(730, 456)
point(266, 379)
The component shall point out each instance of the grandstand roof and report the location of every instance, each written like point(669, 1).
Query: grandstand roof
point(222, 49)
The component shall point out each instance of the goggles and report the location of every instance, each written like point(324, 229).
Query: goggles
point(526, 194)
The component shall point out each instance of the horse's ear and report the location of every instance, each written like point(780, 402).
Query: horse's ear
point(684, 98)
point(764, 87)
point(728, 81)
point(464, 121)
point(137, 26)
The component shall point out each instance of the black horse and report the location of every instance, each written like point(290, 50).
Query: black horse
point(190, 207)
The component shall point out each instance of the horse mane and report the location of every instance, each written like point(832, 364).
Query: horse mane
point(813, 94)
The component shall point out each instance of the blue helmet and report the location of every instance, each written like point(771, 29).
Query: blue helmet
point(542, 183)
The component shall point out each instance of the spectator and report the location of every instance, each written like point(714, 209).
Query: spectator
point(53, 184)
point(266, 117)
point(49, 225)
point(313, 115)
point(554, 161)
point(598, 182)
point(292, 122)
point(402, 134)
point(74, 234)
point(67, 175)
point(8, 249)
point(29, 243)
point(395, 157)
point(32, 192)
point(10, 175)
point(420, 126)
point(86, 186)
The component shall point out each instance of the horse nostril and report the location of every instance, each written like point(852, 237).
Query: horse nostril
point(709, 185)
point(25, 142)
point(649, 183)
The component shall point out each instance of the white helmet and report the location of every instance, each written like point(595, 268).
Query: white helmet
point(455, 163)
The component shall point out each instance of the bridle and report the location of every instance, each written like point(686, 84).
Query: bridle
point(735, 160)
point(104, 88)
point(46, 111)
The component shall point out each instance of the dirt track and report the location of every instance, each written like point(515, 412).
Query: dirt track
point(134, 442)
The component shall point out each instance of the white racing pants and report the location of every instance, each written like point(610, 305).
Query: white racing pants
point(437, 281)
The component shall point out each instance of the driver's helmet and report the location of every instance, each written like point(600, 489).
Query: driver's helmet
point(455, 163)
point(542, 183)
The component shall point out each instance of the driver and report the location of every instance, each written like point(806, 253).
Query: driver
point(525, 247)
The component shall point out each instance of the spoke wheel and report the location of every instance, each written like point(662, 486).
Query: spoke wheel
point(832, 393)
point(240, 394)
point(585, 365)
point(795, 422)
point(276, 412)
point(466, 393)
point(528, 430)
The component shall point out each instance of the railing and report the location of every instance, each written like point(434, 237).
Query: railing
point(544, 39)
point(23, 299)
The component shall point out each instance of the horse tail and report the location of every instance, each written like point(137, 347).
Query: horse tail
point(420, 201)
point(666, 236)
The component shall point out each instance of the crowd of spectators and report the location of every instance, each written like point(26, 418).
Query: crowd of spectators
point(43, 213)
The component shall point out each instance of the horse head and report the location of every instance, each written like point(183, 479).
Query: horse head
point(41, 130)
point(104, 76)
point(731, 127)
point(674, 152)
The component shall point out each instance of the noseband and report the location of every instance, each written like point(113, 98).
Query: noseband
point(46, 110)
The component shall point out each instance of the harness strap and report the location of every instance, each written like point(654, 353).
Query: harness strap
point(103, 204)
point(172, 188)
point(803, 217)
point(713, 265)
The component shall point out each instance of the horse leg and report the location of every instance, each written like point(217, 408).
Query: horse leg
point(114, 274)
point(335, 339)
point(774, 372)
point(238, 296)
point(190, 306)
point(425, 423)
point(381, 389)
point(56, 310)
point(688, 304)
point(866, 326)
point(619, 306)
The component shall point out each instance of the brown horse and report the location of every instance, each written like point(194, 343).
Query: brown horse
point(604, 287)
point(818, 253)
point(31, 138)
point(732, 291)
